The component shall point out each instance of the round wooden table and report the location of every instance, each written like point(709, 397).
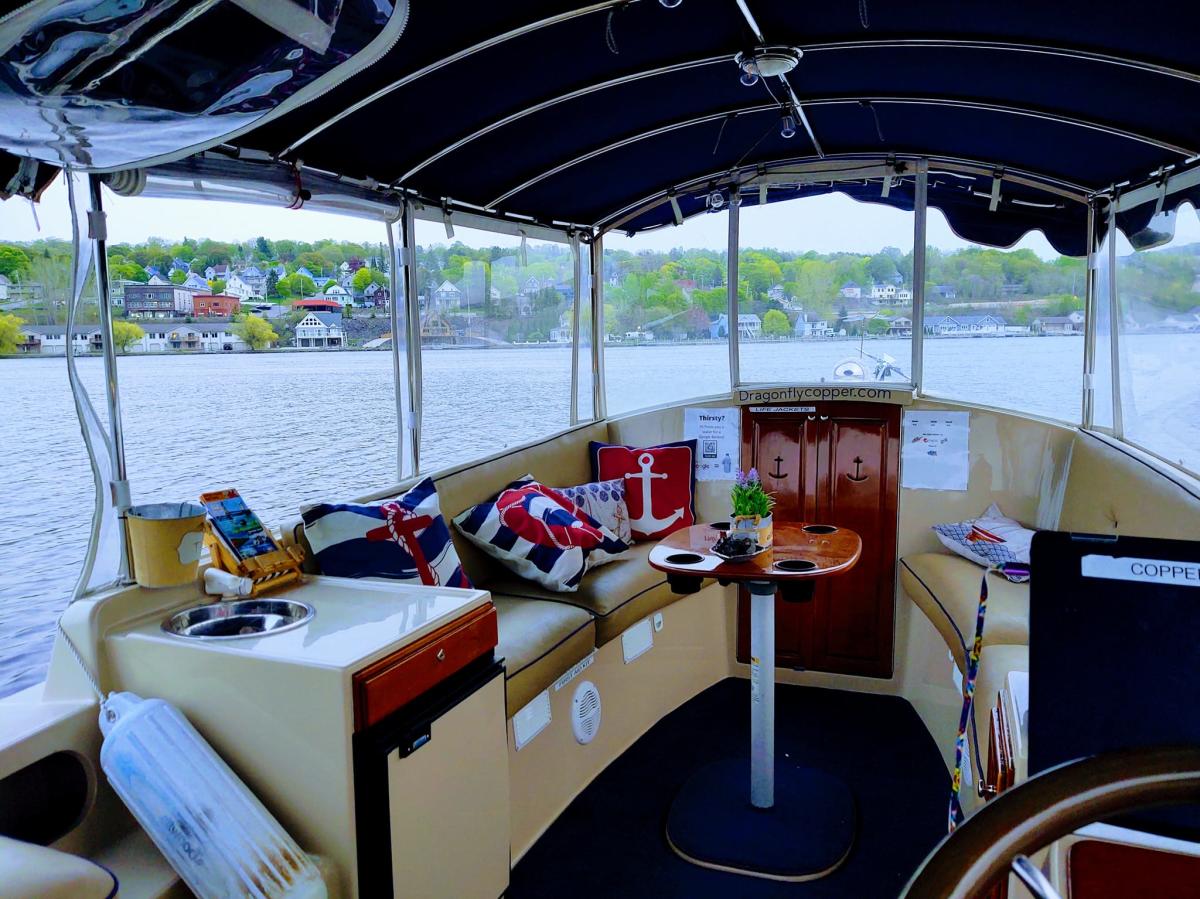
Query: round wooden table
point(809, 833)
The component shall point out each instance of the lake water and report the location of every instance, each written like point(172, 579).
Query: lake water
point(286, 428)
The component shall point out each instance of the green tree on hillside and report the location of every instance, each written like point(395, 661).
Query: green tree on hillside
point(126, 334)
point(776, 324)
point(10, 332)
point(177, 276)
point(216, 285)
point(272, 286)
point(14, 263)
point(257, 333)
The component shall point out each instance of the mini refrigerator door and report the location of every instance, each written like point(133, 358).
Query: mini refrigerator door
point(432, 794)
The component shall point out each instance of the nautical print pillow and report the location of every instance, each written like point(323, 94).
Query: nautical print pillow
point(605, 502)
point(539, 534)
point(992, 539)
point(660, 484)
point(404, 539)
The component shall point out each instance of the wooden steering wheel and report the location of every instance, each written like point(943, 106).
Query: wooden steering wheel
point(1046, 807)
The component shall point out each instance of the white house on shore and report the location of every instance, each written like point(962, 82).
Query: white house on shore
point(1059, 324)
point(749, 325)
point(209, 336)
point(320, 330)
point(236, 286)
point(815, 328)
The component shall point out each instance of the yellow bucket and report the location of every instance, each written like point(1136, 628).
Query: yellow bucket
point(165, 539)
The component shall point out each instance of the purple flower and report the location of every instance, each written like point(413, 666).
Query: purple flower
point(740, 478)
point(752, 477)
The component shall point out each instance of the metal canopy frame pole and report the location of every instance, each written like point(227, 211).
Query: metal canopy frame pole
point(576, 300)
point(599, 397)
point(408, 252)
point(97, 226)
point(731, 285)
point(401, 381)
point(1088, 409)
point(920, 227)
point(1114, 318)
point(762, 694)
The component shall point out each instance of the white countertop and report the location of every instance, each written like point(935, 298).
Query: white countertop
point(355, 622)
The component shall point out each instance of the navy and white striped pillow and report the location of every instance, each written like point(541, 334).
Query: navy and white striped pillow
point(540, 534)
point(404, 538)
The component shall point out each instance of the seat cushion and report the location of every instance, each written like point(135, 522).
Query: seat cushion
point(39, 872)
point(538, 642)
point(946, 589)
point(617, 595)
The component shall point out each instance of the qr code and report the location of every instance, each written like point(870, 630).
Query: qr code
point(708, 449)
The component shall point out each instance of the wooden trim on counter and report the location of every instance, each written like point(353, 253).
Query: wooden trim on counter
point(396, 680)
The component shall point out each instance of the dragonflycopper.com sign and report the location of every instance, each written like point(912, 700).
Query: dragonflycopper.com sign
point(773, 396)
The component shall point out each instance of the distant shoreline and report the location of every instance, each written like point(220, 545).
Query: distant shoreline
point(551, 346)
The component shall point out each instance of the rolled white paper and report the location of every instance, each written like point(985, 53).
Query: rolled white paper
point(222, 583)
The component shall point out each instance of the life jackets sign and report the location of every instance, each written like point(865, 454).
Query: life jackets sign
point(660, 484)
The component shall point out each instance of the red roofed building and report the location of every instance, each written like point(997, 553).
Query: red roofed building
point(216, 304)
point(313, 304)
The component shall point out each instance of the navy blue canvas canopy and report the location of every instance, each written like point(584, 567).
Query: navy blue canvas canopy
point(585, 114)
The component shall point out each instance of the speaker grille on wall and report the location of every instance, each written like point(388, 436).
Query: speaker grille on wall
point(585, 712)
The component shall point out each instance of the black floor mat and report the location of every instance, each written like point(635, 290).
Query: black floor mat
point(610, 841)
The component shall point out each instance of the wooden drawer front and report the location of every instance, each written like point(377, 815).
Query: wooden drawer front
point(398, 679)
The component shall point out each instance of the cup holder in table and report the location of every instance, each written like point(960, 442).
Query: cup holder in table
point(684, 559)
point(795, 566)
point(819, 529)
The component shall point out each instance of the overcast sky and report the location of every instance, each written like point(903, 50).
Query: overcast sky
point(824, 224)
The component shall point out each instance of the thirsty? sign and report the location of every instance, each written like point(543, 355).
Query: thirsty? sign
point(716, 433)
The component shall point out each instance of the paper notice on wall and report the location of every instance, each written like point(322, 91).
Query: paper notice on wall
point(934, 455)
point(717, 442)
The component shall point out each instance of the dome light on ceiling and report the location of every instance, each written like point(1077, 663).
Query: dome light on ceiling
point(767, 62)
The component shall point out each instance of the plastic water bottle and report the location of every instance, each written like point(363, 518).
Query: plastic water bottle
point(211, 828)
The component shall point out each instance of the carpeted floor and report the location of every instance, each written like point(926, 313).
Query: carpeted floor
point(610, 841)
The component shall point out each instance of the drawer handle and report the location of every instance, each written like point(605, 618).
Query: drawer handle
point(441, 655)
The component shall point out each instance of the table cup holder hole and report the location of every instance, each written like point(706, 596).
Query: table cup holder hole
point(795, 565)
point(819, 529)
point(684, 558)
point(720, 525)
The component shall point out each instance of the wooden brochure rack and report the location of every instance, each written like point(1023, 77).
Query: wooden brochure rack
point(268, 571)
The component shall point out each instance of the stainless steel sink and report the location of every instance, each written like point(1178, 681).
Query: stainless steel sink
point(238, 618)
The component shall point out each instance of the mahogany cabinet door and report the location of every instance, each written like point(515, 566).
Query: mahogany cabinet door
point(857, 488)
point(837, 465)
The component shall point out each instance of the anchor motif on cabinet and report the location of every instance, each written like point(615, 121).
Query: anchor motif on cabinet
point(646, 521)
point(779, 474)
point(858, 475)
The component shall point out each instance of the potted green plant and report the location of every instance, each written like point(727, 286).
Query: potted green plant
point(752, 506)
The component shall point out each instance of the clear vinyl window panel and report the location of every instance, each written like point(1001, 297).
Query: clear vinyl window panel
point(47, 481)
point(665, 306)
point(1158, 293)
point(274, 377)
point(1005, 328)
point(497, 327)
point(825, 292)
point(585, 395)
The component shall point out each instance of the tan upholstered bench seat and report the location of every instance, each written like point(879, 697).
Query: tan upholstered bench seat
point(616, 595)
point(538, 642)
point(946, 589)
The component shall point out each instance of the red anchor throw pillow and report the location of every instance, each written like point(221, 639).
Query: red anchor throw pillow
point(660, 484)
